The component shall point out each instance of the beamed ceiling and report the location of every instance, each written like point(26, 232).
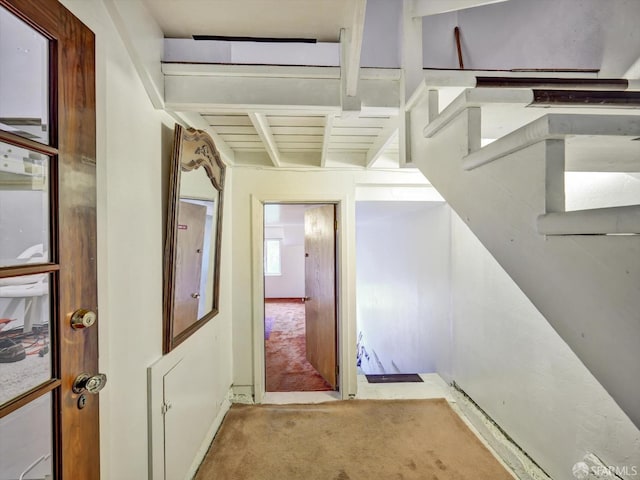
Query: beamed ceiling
point(284, 104)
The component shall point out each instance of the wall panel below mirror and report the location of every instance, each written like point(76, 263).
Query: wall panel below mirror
point(194, 222)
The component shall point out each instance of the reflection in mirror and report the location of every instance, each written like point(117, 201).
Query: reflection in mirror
point(192, 262)
point(24, 78)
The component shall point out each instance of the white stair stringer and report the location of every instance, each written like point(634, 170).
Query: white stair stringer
point(586, 286)
point(597, 221)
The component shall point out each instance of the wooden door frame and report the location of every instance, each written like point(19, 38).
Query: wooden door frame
point(72, 115)
point(345, 287)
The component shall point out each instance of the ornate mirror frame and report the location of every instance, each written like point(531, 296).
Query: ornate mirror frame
point(191, 275)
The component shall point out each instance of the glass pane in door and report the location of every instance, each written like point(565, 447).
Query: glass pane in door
point(25, 357)
point(24, 206)
point(24, 79)
point(26, 441)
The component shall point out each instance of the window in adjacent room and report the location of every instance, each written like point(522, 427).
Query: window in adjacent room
point(272, 262)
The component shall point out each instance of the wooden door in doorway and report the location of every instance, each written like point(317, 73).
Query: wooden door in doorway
point(320, 284)
point(48, 263)
point(191, 226)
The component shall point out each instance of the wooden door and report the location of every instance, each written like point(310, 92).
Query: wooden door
point(320, 284)
point(190, 243)
point(47, 430)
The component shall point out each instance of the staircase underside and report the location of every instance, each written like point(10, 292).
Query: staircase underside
point(580, 269)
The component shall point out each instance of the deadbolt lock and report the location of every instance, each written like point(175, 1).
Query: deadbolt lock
point(83, 319)
point(89, 383)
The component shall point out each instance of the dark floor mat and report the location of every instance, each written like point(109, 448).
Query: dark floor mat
point(394, 378)
point(11, 351)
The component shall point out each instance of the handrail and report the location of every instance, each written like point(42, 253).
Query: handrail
point(553, 126)
point(588, 98)
point(615, 84)
point(34, 464)
point(475, 97)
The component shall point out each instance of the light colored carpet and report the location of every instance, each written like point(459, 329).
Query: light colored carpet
point(286, 366)
point(348, 440)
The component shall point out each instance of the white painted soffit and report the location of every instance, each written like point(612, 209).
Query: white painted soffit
point(302, 90)
point(423, 8)
point(251, 53)
point(319, 20)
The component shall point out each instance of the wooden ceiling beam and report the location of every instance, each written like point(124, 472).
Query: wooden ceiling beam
point(328, 125)
point(424, 8)
point(261, 124)
point(383, 140)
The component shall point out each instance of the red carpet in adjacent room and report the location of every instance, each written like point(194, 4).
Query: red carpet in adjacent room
point(287, 367)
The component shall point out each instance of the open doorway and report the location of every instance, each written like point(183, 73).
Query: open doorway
point(402, 284)
point(300, 297)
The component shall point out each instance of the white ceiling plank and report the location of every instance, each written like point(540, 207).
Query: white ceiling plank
point(423, 8)
point(328, 125)
point(235, 130)
point(386, 137)
point(227, 120)
point(241, 138)
point(299, 149)
point(353, 138)
point(348, 146)
point(297, 130)
point(238, 144)
point(361, 122)
point(367, 131)
point(298, 138)
point(308, 146)
point(264, 130)
point(296, 121)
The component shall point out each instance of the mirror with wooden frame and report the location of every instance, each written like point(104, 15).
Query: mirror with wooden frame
point(194, 227)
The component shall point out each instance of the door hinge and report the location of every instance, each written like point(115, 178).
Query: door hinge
point(335, 225)
point(166, 406)
point(337, 370)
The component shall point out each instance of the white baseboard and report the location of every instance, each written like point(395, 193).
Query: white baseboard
point(242, 394)
point(513, 457)
point(204, 448)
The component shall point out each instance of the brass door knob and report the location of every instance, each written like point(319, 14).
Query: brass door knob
point(89, 383)
point(83, 319)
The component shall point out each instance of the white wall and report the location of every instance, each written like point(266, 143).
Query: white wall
point(540, 34)
point(584, 190)
point(381, 34)
point(288, 186)
point(134, 142)
point(402, 282)
point(512, 363)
